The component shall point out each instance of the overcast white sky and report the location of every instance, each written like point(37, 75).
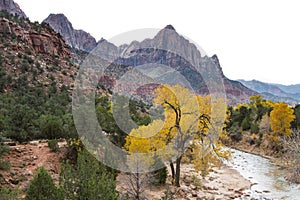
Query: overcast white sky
point(254, 39)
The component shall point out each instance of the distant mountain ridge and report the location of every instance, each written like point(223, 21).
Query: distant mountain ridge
point(275, 92)
point(292, 89)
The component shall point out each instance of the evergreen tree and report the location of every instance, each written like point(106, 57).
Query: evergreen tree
point(42, 187)
point(89, 179)
point(51, 126)
point(246, 124)
point(296, 123)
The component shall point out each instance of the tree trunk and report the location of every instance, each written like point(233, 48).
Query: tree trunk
point(137, 186)
point(172, 171)
point(177, 175)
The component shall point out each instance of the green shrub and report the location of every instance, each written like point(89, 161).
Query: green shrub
point(7, 194)
point(245, 124)
point(53, 145)
point(42, 187)
point(160, 175)
point(89, 179)
point(235, 133)
point(254, 128)
point(51, 126)
point(4, 165)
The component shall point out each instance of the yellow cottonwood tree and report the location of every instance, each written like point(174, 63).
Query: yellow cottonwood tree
point(280, 120)
point(192, 123)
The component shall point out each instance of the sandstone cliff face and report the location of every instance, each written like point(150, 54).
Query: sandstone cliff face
point(34, 52)
point(44, 41)
point(12, 7)
point(75, 38)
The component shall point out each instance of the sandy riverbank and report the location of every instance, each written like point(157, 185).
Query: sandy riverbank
point(221, 183)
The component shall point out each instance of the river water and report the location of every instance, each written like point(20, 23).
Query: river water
point(267, 178)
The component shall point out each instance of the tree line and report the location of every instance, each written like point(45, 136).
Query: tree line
point(267, 121)
point(187, 128)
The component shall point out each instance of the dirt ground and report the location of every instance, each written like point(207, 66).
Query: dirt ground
point(26, 158)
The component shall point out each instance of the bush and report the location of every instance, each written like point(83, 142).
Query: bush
point(89, 179)
point(254, 128)
point(236, 136)
point(4, 165)
point(245, 124)
point(7, 194)
point(235, 133)
point(53, 145)
point(42, 187)
point(51, 126)
point(159, 176)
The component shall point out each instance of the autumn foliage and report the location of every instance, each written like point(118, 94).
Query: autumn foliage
point(281, 118)
point(191, 126)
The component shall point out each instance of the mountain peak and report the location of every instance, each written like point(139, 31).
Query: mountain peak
point(59, 15)
point(59, 22)
point(12, 7)
point(61, 18)
point(75, 38)
point(102, 40)
point(170, 27)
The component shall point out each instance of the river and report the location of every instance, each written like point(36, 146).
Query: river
point(267, 178)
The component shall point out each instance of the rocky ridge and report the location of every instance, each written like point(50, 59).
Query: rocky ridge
point(34, 51)
point(42, 41)
point(12, 7)
point(75, 38)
